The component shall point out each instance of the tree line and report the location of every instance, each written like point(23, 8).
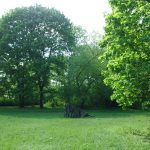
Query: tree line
point(44, 58)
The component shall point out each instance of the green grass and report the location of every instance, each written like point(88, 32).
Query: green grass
point(34, 129)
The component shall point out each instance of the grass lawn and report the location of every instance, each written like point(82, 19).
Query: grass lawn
point(35, 129)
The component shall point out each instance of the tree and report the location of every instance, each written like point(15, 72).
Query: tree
point(81, 35)
point(84, 85)
point(33, 43)
point(126, 41)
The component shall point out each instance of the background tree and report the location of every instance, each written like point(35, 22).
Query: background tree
point(84, 80)
point(83, 84)
point(33, 42)
point(127, 47)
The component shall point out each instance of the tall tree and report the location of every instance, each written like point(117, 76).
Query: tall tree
point(84, 83)
point(84, 78)
point(126, 41)
point(33, 42)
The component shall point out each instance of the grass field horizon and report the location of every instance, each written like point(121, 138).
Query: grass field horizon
point(47, 129)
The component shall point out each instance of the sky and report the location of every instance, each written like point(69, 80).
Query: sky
point(87, 13)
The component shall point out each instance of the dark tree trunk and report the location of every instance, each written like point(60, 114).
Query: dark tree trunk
point(21, 101)
point(41, 91)
point(72, 111)
point(41, 97)
point(82, 104)
point(21, 92)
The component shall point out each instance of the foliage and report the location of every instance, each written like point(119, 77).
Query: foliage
point(33, 43)
point(81, 36)
point(84, 83)
point(127, 53)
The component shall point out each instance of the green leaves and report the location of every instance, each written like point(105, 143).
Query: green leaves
point(127, 51)
point(84, 83)
point(32, 42)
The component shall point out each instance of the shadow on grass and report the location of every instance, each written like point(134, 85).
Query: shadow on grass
point(57, 113)
point(144, 135)
point(147, 136)
point(36, 113)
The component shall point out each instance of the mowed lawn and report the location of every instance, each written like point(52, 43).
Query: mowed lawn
point(35, 129)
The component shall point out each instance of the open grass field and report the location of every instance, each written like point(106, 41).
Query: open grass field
point(34, 129)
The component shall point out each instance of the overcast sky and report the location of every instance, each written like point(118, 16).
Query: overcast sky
point(87, 13)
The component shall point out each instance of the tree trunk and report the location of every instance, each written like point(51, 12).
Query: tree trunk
point(41, 97)
point(21, 101)
point(21, 92)
point(72, 111)
point(82, 104)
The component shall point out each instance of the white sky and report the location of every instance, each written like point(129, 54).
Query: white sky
point(87, 13)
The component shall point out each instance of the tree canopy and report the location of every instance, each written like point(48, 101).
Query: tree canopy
point(126, 42)
point(33, 43)
point(44, 58)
